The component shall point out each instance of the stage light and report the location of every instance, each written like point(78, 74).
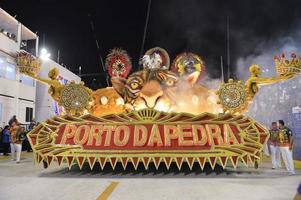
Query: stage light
point(44, 54)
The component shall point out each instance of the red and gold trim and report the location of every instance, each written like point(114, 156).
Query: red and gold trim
point(149, 137)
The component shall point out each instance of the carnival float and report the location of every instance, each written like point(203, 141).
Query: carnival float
point(159, 115)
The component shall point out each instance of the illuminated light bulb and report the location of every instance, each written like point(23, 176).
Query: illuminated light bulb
point(104, 100)
point(44, 54)
point(119, 101)
point(195, 99)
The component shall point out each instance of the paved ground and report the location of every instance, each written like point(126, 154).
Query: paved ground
point(28, 182)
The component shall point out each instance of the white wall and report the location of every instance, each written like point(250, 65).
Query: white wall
point(8, 109)
point(15, 97)
point(8, 45)
point(44, 102)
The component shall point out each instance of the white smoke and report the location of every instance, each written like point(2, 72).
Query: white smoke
point(210, 83)
point(266, 50)
point(273, 102)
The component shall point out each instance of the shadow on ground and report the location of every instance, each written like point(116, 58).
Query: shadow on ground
point(151, 172)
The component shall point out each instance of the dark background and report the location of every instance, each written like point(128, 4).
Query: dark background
point(177, 26)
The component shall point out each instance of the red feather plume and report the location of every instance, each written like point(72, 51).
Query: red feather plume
point(118, 63)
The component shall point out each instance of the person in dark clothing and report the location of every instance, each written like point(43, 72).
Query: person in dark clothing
point(13, 120)
point(6, 140)
point(32, 125)
point(286, 145)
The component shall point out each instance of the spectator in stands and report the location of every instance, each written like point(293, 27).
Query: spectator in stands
point(16, 141)
point(6, 140)
point(13, 120)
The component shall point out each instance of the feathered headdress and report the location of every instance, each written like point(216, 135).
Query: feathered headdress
point(187, 63)
point(156, 58)
point(118, 63)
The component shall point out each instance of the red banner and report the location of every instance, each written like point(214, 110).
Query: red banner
point(148, 136)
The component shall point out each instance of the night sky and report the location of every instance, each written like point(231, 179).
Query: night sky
point(177, 26)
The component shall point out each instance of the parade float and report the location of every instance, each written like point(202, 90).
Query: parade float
point(159, 115)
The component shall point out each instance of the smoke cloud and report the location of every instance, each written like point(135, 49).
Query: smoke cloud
point(274, 102)
point(256, 28)
point(265, 52)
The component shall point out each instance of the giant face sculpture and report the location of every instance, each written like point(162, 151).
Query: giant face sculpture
point(164, 90)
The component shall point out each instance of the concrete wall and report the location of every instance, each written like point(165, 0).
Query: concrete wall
point(45, 105)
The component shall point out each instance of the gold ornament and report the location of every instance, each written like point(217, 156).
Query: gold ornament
point(79, 139)
point(106, 101)
point(28, 64)
point(233, 96)
point(55, 87)
point(255, 81)
point(75, 98)
point(285, 67)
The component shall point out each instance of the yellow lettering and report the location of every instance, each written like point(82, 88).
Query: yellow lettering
point(184, 133)
point(155, 137)
point(196, 129)
point(118, 141)
point(140, 130)
point(170, 132)
point(229, 135)
point(80, 138)
point(68, 133)
point(95, 133)
point(108, 130)
point(214, 131)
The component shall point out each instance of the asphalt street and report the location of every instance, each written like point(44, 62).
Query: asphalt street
point(28, 181)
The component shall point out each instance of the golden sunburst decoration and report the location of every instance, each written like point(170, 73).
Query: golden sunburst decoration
point(232, 96)
point(75, 98)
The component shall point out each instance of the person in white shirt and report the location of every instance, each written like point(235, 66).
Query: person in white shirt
point(274, 146)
